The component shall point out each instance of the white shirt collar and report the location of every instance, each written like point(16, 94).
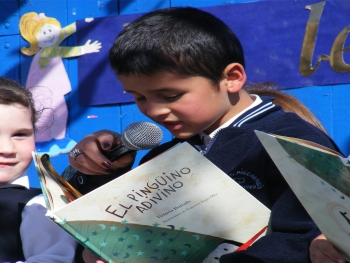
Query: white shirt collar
point(21, 180)
point(207, 138)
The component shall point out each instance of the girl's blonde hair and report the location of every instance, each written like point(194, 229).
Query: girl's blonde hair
point(29, 26)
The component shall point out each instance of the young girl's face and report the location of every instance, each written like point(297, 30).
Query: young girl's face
point(16, 141)
point(48, 35)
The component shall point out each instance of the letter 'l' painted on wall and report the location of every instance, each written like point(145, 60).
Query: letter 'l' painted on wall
point(305, 67)
point(336, 55)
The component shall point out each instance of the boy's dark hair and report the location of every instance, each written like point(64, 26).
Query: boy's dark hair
point(12, 92)
point(184, 40)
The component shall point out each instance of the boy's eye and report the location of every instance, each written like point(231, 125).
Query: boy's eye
point(140, 99)
point(166, 98)
point(172, 98)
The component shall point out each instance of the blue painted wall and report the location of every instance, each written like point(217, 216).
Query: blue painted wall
point(330, 104)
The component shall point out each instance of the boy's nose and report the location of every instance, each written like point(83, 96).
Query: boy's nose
point(156, 109)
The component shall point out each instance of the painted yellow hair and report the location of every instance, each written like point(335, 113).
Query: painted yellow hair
point(29, 26)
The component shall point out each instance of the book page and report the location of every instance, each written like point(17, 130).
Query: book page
point(309, 144)
point(57, 191)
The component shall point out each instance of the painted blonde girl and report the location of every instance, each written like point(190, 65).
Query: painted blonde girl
point(47, 77)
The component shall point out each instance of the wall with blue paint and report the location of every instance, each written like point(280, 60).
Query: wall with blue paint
point(330, 103)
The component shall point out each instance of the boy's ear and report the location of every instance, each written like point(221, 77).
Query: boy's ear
point(235, 77)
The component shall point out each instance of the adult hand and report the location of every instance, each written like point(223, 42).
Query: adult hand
point(91, 149)
point(322, 251)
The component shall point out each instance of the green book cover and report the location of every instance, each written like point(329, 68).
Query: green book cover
point(320, 178)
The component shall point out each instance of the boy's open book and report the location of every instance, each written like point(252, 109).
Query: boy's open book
point(177, 207)
point(320, 178)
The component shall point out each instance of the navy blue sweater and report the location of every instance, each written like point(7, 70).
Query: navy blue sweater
point(238, 152)
point(13, 198)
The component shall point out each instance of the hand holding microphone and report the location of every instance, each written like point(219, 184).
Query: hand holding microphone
point(105, 151)
point(136, 136)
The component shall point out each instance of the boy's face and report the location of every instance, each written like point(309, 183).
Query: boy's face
point(16, 141)
point(184, 106)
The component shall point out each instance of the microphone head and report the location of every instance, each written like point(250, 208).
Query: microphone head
point(141, 136)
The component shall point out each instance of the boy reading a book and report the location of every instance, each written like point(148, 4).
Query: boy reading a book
point(26, 234)
point(185, 69)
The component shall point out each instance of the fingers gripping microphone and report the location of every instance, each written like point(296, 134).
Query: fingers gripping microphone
point(137, 136)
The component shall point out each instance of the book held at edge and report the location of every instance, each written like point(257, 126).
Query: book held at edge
point(177, 207)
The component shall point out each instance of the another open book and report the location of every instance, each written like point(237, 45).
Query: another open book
point(57, 191)
point(320, 178)
point(177, 207)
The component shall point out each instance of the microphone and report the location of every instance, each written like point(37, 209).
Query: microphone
point(136, 136)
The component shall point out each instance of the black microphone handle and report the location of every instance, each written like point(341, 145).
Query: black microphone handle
point(118, 152)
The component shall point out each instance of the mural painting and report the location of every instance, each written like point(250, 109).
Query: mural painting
point(48, 79)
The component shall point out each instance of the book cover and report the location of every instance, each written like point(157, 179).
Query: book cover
point(177, 207)
point(320, 178)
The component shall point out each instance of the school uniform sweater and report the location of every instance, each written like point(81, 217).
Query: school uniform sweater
point(238, 152)
point(26, 234)
point(13, 199)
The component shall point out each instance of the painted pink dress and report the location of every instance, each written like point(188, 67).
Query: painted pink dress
point(48, 81)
